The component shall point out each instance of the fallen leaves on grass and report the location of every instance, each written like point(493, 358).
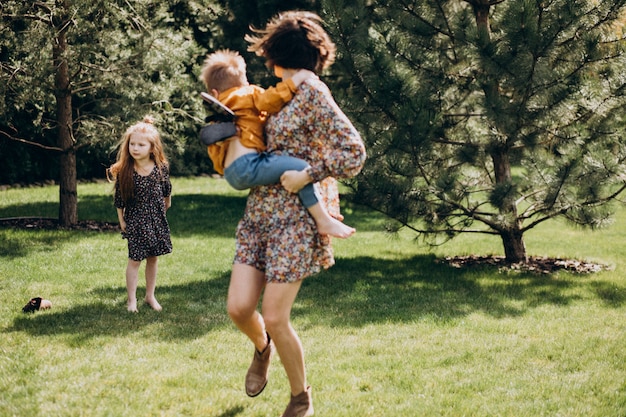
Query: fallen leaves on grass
point(46, 223)
point(535, 264)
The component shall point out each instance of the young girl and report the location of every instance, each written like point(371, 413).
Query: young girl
point(142, 197)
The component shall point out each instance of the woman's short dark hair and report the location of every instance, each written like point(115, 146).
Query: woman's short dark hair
point(295, 40)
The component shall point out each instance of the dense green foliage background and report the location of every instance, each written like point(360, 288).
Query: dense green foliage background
point(479, 116)
point(127, 59)
point(486, 116)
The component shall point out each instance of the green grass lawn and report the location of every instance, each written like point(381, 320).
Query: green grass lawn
point(388, 331)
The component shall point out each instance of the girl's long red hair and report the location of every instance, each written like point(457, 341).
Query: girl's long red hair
point(122, 170)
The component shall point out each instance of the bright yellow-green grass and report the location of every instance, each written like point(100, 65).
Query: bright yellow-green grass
point(389, 331)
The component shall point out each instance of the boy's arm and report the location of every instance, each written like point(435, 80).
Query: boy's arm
point(274, 98)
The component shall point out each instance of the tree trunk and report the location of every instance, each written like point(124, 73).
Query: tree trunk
point(511, 233)
point(68, 198)
point(514, 247)
point(481, 14)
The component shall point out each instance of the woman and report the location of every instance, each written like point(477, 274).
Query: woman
point(277, 242)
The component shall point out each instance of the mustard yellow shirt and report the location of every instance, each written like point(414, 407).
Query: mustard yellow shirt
point(251, 104)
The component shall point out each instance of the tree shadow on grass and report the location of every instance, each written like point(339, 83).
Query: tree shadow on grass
point(233, 411)
point(16, 248)
point(610, 294)
point(190, 311)
point(41, 209)
point(354, 293)
point(210, 215)
point(367, 290)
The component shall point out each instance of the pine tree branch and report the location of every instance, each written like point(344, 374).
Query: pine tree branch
point(483, 3)
point(472, 214)
point(411, 11)
point(43, 6)
point(594, 11)
point(443, 141)
point(28, 17)
point(86, 88)
point(371, 95)
point(575, 37)
point(565, 210)
point(32, 143)
point(11, 70)
point(448, 231)
point(429, 231)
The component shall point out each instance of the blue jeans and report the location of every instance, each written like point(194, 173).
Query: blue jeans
point(254, 169)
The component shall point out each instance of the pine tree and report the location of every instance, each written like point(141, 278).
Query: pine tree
point(486, 116)
point(74, 74)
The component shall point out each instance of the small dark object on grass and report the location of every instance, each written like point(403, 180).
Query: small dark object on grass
point(36, 303)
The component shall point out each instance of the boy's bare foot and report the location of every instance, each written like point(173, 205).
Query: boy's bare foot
point(132, 306)
point(154, 304)
point(335, 228)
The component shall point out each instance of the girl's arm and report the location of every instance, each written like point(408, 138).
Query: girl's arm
point(119, 205)
point(120, 218)
point(166, 187)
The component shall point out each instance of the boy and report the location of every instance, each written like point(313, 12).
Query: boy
point(242, 159)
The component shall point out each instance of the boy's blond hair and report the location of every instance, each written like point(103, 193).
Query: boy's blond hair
point(224, 69)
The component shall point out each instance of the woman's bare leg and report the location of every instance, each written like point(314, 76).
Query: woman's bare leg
point(152, 267)
point(278, 300)
point(244, 292)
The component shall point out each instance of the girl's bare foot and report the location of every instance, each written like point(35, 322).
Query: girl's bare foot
point(335, 228)
point(152, 302)
point(132, 306)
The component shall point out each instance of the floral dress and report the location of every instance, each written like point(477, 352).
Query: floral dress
point(147, 229)
point(277, 235)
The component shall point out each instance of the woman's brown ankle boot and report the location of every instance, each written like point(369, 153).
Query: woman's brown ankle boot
point(301, 405)
point(256, 378)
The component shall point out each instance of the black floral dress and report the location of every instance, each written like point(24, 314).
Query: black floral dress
point(147, 229)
